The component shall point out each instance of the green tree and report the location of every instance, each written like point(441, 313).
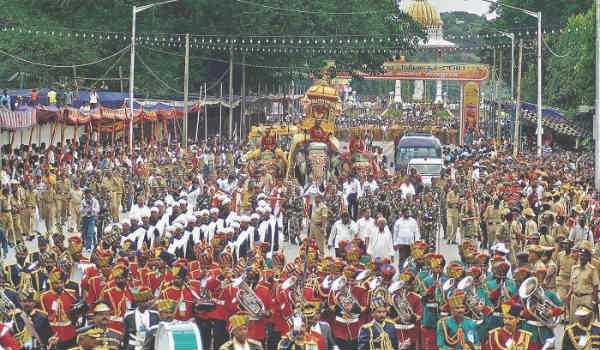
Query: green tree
point(570, 77)
point(390, 29)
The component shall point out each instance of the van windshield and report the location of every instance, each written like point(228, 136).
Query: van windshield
point(407, 153)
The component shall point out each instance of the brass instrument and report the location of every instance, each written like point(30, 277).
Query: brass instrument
point(449, 284)
point(344, 297)
point(400, 302)
point(537, 303)
point(297, 296)
point(472, 300)
point(248, 299)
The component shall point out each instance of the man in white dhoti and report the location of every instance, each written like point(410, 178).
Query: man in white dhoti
point(381, 243)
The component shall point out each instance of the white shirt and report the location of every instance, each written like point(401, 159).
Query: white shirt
point(407, 188)
point(406, 231)
point(381, 244)
point(372, 185)
point(475, 174)
point(340, 232)
point(365, 226)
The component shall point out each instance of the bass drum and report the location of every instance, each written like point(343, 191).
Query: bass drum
point(178, 336)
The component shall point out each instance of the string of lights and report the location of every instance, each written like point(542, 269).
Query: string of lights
point(253, 39)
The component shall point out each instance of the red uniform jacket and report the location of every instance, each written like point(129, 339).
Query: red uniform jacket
point(256, 328)
point(96, 286)
point(120, 300)
point(6, 339)
point(57, 307)
point(185, 300)
point(347, 328)
point(282, 310)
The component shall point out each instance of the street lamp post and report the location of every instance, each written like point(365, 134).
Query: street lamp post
point(537, 15)
point(134, 12)
point(512, 62)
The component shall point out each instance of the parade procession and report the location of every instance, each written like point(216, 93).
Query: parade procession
point(384, 186)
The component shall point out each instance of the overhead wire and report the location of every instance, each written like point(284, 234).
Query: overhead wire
point(156, 76)
point(284, 9)
point(214, 59)
point(552, 51)
point(64, 66)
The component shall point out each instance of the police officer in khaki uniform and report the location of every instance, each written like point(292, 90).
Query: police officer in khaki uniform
point(452, 214)
point(48, 197)
point(493, 220)
point(318, 222)
point(63, 185)
point(17, 198)
point(116, 194)
point(30, 200)
point(530, 225)
point(584, 280)
point(564, 264)
point(6, 219)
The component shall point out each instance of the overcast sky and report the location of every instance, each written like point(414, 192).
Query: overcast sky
point(474, 6)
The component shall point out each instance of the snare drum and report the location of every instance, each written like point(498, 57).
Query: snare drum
point(178, 336)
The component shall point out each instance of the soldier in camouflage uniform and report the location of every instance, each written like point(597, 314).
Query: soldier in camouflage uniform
point(366, 200)
point(382, 203)
point(295, 215)
point(429, 220)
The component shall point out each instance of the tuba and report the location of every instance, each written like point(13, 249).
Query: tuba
point(344, 297)
point(537, 303)
point(472, 300)
point(400, 302)
point(248, 299)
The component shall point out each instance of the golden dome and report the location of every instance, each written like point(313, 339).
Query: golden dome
point(422, 12)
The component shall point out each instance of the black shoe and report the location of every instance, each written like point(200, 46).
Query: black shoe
point(11, 245)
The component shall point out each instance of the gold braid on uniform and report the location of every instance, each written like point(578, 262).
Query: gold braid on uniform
point(383, 339)
point(523, 340)
point(454, 339)
point(569, 331)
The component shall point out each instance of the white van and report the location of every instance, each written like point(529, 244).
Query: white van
point(427, 168)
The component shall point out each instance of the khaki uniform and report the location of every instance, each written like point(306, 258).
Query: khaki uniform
point(583, 281)
point(564, 263)
point(452, 215)
point(17, 212)
point(76, 198)
point(116, 195)
point(550, 279)
point(28, 221)
point(318, 222)
point(63, 187)
point(507, 233)
point(6, 219)
point(49, 198)
point(530, 227)
point(493, 220)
